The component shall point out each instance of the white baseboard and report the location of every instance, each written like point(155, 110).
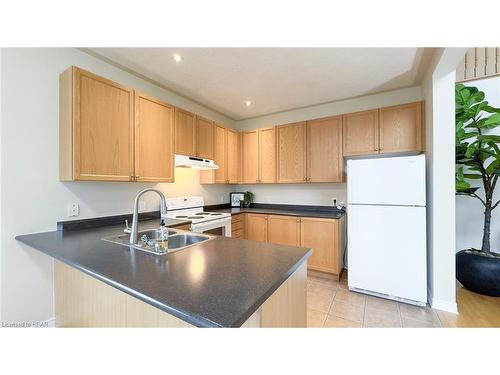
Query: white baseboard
point(444, 306)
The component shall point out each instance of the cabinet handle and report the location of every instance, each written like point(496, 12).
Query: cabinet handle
point(305, 179)
point(131, 177)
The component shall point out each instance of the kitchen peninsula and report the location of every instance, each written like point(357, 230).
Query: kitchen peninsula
point(222, 282)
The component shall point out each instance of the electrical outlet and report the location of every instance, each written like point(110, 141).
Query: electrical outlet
point(142, 206)
point(74, 210)
point(222, 199)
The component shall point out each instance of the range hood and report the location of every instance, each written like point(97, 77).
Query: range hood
point(184, 161)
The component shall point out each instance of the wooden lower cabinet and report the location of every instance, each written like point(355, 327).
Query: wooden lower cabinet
point(238, 226)
point(256, 227)
point(283, 230)
point(323, 236)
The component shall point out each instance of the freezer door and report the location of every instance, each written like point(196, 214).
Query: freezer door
point(387, 251)
point(393, 181)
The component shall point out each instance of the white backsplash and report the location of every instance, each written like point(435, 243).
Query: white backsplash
point(305, 194)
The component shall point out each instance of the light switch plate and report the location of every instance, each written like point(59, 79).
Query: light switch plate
point(142, 206)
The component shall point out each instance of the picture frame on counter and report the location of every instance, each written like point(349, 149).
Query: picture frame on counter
point(235, 198)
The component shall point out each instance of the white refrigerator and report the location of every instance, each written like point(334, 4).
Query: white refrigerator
point(387, 227)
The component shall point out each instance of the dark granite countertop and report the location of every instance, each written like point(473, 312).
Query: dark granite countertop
point(289, 210)
point(218, 283)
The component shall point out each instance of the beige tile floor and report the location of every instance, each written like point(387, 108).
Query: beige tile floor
point(331, 305)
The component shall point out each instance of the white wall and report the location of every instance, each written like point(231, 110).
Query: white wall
point(318, 193)
point(470, 211)
point(309, 194)
point(32, 197)
point(439, 93)
point(362, 103)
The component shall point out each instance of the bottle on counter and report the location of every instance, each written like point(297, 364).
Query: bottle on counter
point(161, 244)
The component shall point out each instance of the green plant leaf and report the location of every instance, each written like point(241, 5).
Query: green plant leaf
point(489, 138)
point(473, 176)
point(493, 121)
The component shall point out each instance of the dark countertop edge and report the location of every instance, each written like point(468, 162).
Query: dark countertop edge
point(195, 320)
point(98, 222)
point(273, 206)
point(335, 215)
point(288, 209)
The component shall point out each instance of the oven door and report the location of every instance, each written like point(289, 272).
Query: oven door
point(220, 227)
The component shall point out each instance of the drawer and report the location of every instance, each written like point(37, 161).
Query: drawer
point(238, 234)
point(237, 225)
point(237, 218)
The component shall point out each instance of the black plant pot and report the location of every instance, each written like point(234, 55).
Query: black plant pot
point(478, 273)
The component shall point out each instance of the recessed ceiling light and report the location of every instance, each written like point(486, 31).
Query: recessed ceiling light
point(248, 103)
point(177, 57)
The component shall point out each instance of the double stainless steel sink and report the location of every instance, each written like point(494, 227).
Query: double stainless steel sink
point(177, 240)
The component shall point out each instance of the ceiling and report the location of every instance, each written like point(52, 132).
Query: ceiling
point(274, 79)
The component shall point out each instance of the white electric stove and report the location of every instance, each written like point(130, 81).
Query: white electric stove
point(191, 208)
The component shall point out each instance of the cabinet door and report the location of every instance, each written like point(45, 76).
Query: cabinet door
point(220, 152)
point(185, 132)
point(233, 156)
point(291, 153)
point(283, 230)
point(204, 138)
point(103, 129)
point(154, 141)
point(256, 227)
point(401, 128)
point(360, 133)
point(267, 155)
point(324, 150)
point(322, 236)
point(250, 155)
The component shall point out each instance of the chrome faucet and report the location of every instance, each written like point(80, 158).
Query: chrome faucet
point(135, 219)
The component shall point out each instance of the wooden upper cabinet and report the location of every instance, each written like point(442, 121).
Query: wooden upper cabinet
point(283, 230)
point(250, 156)
point(401, 128)
point(291, 149)
point(360, 133)
point(204, 138)
point(185, 132)
point(322, 235)
point(233, 157)
point(256, 227)
point(267, 155)
point(96, 128)
point(325, 162)
point(220, 155)
point(154, 140)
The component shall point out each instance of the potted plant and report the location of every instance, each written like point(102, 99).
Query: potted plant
point(247, 198)
point(477, 160)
